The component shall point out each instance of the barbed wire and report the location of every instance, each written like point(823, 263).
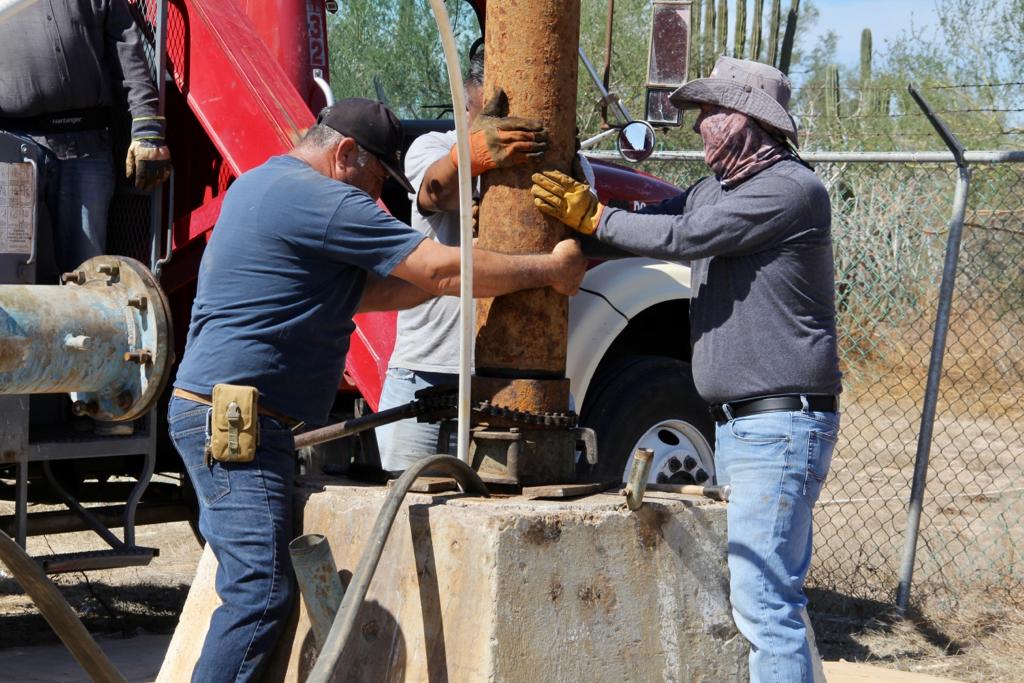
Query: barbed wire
point(899, 88)
point(896, 115)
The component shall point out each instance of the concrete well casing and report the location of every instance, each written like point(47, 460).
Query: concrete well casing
point(515, 590)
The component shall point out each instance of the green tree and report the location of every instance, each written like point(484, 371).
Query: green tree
point(396, 44)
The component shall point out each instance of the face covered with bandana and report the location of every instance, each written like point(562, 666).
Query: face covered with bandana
point(735, 145)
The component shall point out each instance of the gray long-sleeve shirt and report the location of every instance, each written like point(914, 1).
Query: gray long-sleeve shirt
point(762, 318)
point(61, 55)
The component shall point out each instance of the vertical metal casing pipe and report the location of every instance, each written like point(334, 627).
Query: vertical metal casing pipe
point(525, 334)
point(319, 583)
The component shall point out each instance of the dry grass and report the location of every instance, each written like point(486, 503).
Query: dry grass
point(973, 643)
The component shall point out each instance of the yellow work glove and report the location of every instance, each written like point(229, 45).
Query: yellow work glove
point(568, 200)
point(497, 140)
point(149, 162)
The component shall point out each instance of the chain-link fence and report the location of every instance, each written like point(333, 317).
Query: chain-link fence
point(890, 226)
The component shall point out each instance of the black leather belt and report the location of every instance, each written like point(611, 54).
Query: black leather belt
point(71, 121)
point(821, 403)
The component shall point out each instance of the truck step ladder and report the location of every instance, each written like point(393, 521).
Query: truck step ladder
point(136, 556)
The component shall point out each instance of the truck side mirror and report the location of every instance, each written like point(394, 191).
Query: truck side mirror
point(668, 60)
point(636, 141)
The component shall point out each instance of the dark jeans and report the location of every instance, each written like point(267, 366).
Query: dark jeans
point(79, 200)
point(246, 517)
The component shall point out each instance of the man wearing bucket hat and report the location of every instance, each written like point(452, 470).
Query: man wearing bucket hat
point(763, 331)
point(299, 247)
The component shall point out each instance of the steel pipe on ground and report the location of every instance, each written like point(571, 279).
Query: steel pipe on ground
point(318, 580)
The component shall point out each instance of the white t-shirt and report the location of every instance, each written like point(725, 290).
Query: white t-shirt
point(427, 336)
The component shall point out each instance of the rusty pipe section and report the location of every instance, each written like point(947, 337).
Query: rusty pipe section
point(317, 576)
point(638, 473)
point(524, 335)
point(103, 335)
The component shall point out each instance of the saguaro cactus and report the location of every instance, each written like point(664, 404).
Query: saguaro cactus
point(865, 56)
point(871, 100)
point(755, 30)
point(695, 43)
point(722, 34)
point(708, 40)
point(739, 35)
point(772, 57)
point(787, 42)
point(832, 92)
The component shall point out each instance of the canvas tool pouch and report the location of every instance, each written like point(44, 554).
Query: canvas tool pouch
point(234, 423)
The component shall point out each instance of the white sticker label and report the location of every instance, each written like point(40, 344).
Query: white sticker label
point(17, 201)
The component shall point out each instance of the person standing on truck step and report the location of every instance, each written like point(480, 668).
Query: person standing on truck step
point(763, 325)
point(426, 352)
point(299, 247)
point(66, 65)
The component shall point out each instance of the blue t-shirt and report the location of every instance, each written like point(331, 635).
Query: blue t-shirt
point(281, 277)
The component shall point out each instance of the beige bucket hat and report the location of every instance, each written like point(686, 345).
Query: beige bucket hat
point(757, 90)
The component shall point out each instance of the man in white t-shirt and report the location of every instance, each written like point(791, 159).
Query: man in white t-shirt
point(427, 339)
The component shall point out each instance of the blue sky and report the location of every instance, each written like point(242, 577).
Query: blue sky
point(886, 19)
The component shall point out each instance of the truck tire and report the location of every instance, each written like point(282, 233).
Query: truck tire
point(650, 402)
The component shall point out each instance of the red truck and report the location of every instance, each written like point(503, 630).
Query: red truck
point(244, 78)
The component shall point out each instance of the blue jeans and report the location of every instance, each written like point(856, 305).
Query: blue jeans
point(78, 197)
point(404, 442)
point(776, 464)
point(245, 514)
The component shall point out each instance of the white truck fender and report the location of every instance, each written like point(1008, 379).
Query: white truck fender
point(611, 295)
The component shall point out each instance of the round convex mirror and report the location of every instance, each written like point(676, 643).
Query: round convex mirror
point(636, 141)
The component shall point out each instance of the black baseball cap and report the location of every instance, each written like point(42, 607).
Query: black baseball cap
point(374, 127)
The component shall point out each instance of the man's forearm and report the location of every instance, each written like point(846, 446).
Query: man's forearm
point(435, 267)
point(496, 274)
point(391, 294)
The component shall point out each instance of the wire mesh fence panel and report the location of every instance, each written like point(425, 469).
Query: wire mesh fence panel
point(890, 226)
point(889, 232)
point(972, 534)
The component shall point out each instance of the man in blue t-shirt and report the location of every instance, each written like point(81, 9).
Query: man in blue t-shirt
point(301, 246)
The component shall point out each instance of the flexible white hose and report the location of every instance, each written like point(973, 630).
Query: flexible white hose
point(8, 8)
point(466, 316)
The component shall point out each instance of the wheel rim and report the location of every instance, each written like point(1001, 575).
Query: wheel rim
point(681, 454)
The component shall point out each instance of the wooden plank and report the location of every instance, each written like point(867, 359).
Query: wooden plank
point(431, 485)
point(567, 490)
point(855, 672)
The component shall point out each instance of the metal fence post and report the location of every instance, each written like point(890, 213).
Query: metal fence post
point(938, 350)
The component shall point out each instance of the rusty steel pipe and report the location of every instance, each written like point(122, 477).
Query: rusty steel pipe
point(638, 473)
point(317, 576)
point(524, 335)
